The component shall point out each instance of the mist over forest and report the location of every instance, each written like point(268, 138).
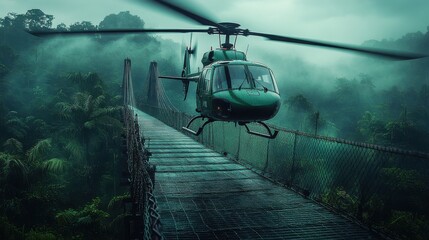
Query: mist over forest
point(60, 99)
point(379, 101)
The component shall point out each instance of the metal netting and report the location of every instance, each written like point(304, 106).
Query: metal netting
point(383, 187)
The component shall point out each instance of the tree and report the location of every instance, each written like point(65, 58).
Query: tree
point(370, 128)
point(90, 124)
point(36, 19)
point(13, 24)
point(84, 25)
point(123, 20)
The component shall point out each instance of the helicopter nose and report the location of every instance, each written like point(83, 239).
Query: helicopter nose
point(247, 105)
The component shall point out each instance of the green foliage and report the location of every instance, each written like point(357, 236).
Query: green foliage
point(55, 165)
point(12, 169)
point(15, 125)
point(341, 200)
point(371, 129)
point(40, 235)
point(40, 150)
point(75, 150)
point(121, 20)
point(408, 225)
point(9, 231)
point(299, 103)
point(87, 220)
point(84, 25)
point(13, 146)
point(51, 164)
point(116, 201)
point(400, 180)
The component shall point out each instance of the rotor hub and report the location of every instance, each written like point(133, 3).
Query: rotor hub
point(230, 25)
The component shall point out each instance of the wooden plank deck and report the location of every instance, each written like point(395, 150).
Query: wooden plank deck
point(203, 195)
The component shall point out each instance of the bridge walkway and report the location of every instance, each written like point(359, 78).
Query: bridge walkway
point(203, 195)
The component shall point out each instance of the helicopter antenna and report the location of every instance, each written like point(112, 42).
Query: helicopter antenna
point(235, 41)
point(247, 49)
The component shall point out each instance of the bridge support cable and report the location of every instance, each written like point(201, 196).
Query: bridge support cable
point(143, 220)
point(157, 96)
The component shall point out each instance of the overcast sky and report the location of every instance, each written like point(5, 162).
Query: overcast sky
point(348, 21)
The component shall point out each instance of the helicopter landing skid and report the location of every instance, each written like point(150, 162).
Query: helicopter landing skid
point(200, 129)
point(270, 135)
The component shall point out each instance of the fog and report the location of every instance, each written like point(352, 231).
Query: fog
point(341, 86)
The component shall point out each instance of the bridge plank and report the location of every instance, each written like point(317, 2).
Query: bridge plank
point(203, 195)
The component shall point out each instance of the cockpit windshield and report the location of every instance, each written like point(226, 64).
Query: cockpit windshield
point(243, 77)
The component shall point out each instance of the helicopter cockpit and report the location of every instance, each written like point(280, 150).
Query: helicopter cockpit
point(243, 76)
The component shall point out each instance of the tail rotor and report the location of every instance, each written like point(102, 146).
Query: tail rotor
point(189, 52)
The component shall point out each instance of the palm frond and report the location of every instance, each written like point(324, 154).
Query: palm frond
point(116, 201)
point(55, 165)
point(99, 100)
point(40, 150)
point(65, 110)
point(89, 103)
point(16, 122)
point(75, 149)
point(89, 124)
point(16, 127)
point(85, 220)
point(67, 217)
point(13, 146)
point(106, 111)
point(12, 167)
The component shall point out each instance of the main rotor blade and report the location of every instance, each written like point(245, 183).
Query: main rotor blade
point(367, 50)
point(200, 19)
point(114, 31)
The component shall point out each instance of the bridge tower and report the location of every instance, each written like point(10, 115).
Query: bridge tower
point(152, 85)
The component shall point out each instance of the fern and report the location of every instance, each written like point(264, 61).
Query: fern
point(67, 217)
point(117, 200)
point(40, 150)
point(55, 165)
point(13, 146)
point(12, 167)
point(16, 126)
point(85, 220)
point(75, 149)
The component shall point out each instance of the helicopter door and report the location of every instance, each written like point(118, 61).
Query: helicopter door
point(206, 92)
point(200, 89)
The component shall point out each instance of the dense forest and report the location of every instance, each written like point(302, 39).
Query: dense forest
point(60, 128)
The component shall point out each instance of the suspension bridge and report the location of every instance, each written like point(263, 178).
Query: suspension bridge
point(226, 184)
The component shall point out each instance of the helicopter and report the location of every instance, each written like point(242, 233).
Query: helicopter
point(231, 88)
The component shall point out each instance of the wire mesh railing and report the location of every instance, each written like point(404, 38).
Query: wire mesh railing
point(383, 187)
point(144, 221)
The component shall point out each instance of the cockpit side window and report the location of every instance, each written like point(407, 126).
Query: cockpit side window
point(207, 80)
point(201, 85)
point(219, 79)
point(263, 78)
